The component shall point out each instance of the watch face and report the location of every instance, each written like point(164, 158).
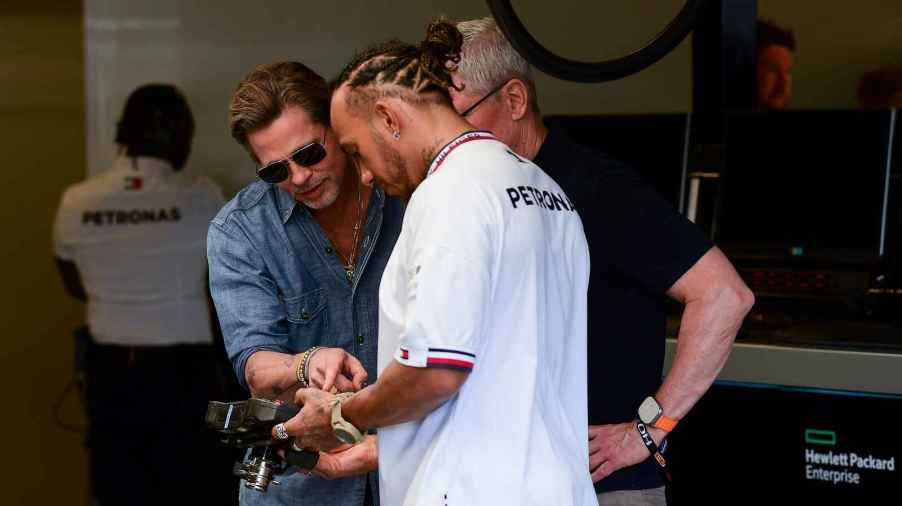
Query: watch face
point(649, 411)
point(344, 436)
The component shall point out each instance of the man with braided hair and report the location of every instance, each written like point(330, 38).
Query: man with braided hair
point(481, 395)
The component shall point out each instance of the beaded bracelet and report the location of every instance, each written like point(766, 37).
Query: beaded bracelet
point(306, 369)
point(299, 371)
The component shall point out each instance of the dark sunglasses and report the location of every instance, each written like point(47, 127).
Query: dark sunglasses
point(305, 156)
point(470, 109)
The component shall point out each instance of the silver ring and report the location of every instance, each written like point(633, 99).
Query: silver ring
point(281, 433)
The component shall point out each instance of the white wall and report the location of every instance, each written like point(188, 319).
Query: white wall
point(207, 46)
point(41, 118)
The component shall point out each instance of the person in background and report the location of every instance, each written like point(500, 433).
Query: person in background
point(130, 242)
point(881, 88)
point(642, 252)
point(775, 48)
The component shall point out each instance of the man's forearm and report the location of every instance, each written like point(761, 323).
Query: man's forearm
point(709, 325)
point(272, 375)
point(402, 394)
point(707, 331)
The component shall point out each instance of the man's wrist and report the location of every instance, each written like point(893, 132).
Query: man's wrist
point(350, 411)
point(302, 369)
point(652, 414)
point(654, 449)
point(657, 434)
point(299, 369)
point(345, 430)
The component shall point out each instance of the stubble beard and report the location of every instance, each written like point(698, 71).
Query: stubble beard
point(330, 190)
point(396, 168)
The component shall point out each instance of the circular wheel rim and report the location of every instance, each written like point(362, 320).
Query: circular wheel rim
point(593, 72)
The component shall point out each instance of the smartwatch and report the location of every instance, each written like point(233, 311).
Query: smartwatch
point(344, 430)
point(651, 414)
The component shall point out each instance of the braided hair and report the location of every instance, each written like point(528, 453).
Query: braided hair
point(418, 73)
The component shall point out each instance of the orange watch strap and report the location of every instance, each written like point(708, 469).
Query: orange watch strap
point(666, 423)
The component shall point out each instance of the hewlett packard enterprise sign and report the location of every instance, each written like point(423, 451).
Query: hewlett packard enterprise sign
point(842, 467)
point(805, 446)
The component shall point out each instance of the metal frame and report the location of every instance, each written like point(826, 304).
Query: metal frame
point(593, 72)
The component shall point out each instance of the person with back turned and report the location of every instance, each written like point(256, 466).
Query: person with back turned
point(130, 242)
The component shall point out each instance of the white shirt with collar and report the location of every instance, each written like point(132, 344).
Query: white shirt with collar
point(489, 276)
point(137, 234)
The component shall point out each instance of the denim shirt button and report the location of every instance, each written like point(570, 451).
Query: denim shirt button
point(328, 250)
point(305, 315)
point(360, 339)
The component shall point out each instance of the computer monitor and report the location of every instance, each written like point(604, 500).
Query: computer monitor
point(805, 186)
point(654, 145)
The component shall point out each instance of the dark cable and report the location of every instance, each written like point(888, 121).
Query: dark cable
point(77, 384)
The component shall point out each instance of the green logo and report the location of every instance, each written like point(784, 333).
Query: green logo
point(820, 437)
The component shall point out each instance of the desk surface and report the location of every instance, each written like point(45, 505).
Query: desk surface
point(809, 367)
point(810, 333)
point(834, 334)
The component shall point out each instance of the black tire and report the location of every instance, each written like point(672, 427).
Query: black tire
point(593, 72)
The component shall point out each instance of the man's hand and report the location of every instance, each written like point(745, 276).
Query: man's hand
point(330, 367)
point(349, 461)
point(312, 427)
point(613, 447)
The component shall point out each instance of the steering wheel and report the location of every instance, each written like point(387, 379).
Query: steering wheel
point(593, 72)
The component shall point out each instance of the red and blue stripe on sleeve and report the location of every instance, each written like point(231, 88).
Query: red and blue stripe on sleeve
point(446, 358)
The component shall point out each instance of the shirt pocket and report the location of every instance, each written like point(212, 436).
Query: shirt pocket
point(308, 318)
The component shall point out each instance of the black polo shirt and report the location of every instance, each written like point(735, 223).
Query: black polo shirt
point(639, 246)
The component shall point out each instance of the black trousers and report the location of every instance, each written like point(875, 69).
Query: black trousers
point(147, 438)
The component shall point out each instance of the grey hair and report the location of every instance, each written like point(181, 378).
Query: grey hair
point(488, 59)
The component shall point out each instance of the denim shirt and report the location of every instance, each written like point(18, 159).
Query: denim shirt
point(279, 286)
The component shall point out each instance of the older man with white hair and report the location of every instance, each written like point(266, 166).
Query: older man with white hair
point(642, 251)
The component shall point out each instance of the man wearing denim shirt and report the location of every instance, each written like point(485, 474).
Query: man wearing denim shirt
point(295, 262)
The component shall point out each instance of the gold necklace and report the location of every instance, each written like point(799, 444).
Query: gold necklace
point(349, 265)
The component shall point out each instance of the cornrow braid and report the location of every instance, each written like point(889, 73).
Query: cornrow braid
point(440, 52)
point(423, 68)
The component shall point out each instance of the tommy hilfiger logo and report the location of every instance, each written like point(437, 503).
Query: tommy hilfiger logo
point(133, 183)
point(445, 358)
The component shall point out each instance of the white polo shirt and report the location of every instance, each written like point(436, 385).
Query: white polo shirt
point(489, 275)
point(137, 234)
